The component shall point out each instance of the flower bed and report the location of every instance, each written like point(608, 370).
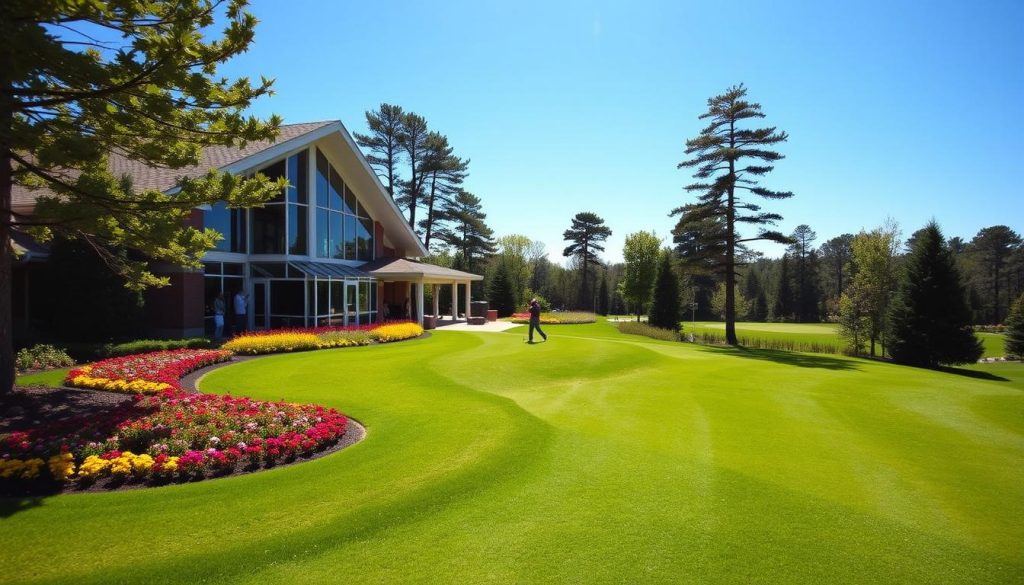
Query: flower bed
point(167, 437)
point(285, 340)
point(146, 373)
point(561, 318)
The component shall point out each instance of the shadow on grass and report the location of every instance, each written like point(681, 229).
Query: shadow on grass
point(789, 358)
point(978, 374)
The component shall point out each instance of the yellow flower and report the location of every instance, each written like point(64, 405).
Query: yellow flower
point(61, 466)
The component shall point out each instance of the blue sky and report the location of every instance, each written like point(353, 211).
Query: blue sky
point(903, 109)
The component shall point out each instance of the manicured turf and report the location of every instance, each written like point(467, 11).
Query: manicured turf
point(811, 334)
point(595, 458)
point(52, 378)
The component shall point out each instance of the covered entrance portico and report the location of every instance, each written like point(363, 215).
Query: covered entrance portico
point(404, 283)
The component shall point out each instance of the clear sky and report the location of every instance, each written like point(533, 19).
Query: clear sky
point(908, 109)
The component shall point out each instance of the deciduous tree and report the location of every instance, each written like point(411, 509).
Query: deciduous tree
point(81, 82)
point(874, 254)
point(640, 253)
point(728, 160)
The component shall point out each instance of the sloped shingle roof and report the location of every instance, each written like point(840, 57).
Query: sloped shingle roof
point(162, 178)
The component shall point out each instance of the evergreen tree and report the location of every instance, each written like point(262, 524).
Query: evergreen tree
point(835, 256)
point(383, 143)
point(665, 303)
point(754, 292)
point(465, 229)
point(782, 309)
point(930, 322)
point(1015, 329)
point(993, 248)
point(445, 173)
point(413, 139)
point(586, 233)
point(602, 297)
point(500, 291)
point(727, 159)
point(151, 93)
point(805, 274)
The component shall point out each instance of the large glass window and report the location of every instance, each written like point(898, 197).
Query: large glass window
point(343, 228)
point(230, 223)
point(268, 229)
point(280, 226)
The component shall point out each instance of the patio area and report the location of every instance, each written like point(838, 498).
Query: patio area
point(487, 327)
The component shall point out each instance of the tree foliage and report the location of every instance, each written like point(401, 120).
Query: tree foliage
point(501, 291)
point(993, 248)
point(587, 232)
point(1015, 329)
point(930, 322)
point(466, 231)
point(665, 304)
point(640, 253)
point(83, 82)
point(729, 160)
point(875, 256)
point(384, 149)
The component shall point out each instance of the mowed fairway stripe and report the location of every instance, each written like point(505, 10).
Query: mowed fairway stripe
point(595, 457)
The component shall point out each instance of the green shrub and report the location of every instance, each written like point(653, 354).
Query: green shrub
point(148, 345)
point(42, 357)
point(648, 330)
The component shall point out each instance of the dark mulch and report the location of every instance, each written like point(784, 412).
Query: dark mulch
point(31, 406)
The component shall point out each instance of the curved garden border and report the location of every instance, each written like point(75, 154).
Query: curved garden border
point(354, 432)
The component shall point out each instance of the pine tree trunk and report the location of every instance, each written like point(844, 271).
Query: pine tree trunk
point(730, 250)
point(6, 317)
point(430, 213)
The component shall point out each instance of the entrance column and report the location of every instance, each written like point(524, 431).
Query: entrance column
point(455, 301)
point(419, 301)
point(467, 301)
point(435, 290)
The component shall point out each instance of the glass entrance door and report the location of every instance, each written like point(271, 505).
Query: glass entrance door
point(351, 300)
point(261, 304)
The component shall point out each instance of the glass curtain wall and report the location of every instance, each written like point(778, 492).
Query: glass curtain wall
point(344, 229)
point(279, 227)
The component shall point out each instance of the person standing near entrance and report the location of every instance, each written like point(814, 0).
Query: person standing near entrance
point(219, 308)
point(241, 312)
point(535, 320)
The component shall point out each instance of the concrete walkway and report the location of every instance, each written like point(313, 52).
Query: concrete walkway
point(488, 327)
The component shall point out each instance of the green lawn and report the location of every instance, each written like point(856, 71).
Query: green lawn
point(595, 458)
point(52, 378)
point(810, 334)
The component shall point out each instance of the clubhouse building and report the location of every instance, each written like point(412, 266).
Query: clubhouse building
point(331, 249)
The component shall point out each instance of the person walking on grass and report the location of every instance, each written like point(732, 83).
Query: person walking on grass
point(535, 320)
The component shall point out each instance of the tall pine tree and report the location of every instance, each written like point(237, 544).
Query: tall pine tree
point(383, 142)
point(930, 322)
point(728, 160)
point(587, 232)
